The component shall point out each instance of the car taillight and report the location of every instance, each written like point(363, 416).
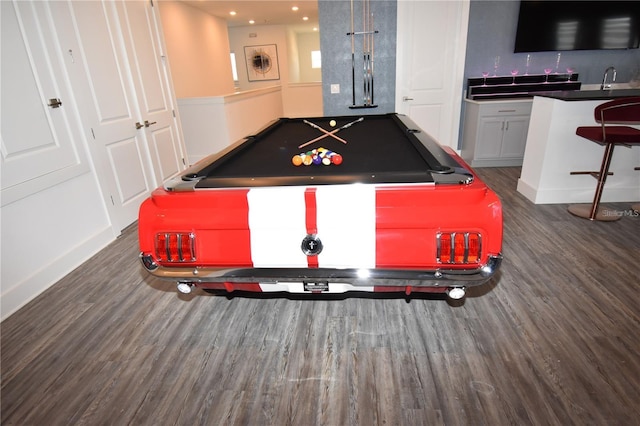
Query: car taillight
point(458, 247)
point(175, 247)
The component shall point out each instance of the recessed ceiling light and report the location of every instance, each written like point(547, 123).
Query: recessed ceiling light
point(251, 21)
point(294, 8)
point(232, 13)
point(305, 18)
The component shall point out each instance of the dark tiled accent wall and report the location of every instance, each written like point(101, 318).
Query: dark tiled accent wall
point(335, 23)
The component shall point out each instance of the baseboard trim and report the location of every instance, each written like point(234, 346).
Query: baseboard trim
point(14, 298)
point(577, 195)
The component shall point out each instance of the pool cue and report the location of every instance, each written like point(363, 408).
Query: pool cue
point(332, 132)
point(365, 39)
point(368, 67)
point(372, 56)
point(328, 133)
point(353, 60)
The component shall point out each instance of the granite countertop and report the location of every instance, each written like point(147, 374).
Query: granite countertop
point(589, 95)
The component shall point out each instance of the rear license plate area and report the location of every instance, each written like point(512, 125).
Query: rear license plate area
point(316, 286)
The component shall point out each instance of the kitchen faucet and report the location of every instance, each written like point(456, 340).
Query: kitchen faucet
point(604, 78)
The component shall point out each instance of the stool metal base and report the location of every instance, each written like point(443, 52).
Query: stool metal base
point(603, 214)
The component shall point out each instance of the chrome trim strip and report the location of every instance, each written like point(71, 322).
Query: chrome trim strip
point(466, 248)
point(445, 277)
point(167, 239)
point(179, 242)
point(192, 242)
point(452, 249)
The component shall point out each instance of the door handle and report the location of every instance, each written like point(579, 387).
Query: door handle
point(139, 126)
point(406, 98)
point(54, 103)
point(147, 124)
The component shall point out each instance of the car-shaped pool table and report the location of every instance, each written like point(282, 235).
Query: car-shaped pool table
point(326, 205)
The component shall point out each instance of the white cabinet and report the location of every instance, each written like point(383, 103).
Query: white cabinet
point(495, 132)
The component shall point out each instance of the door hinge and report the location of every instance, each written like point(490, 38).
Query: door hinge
point(112, 202)
point(92, 133)
point(151, 1)
point(184, 163)
point(173, 111)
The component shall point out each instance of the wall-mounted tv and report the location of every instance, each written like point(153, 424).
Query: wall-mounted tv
point(577, 25)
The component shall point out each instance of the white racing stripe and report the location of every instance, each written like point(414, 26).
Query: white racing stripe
point(347, 225)
point(277, 226)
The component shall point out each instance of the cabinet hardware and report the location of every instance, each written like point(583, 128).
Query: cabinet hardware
point(406, 98)
point(506, 110)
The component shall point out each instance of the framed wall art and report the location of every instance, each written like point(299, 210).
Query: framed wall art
point(262, 62)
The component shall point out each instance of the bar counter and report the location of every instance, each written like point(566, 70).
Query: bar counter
point(553, 150)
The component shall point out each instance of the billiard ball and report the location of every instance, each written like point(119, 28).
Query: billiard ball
point(336, 159)
point(296, 160)
point(332, 123)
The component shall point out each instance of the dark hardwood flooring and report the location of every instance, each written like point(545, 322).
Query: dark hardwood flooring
point(554, 340)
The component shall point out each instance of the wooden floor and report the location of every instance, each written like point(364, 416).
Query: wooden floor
point(554, 340)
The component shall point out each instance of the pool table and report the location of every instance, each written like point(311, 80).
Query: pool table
point(326, 205)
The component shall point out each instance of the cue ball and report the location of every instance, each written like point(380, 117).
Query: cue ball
point(332, 123)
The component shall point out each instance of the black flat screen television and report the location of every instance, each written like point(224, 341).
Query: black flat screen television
point(577, 25)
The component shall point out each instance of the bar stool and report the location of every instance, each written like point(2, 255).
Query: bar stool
point(636, 207)
point(617, 111)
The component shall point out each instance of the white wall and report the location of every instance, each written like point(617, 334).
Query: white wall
point(198, 50)
point(307, 42)
point(47, 235)
point(213, 123)
point(50, 228)
point(302, 100)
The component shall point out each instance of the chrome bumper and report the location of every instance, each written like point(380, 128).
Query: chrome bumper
point(442, 277)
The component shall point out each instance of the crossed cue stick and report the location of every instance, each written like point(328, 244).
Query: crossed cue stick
point(327, 133)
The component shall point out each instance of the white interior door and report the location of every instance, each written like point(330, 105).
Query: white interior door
point(98, 66)
point(430, 65)
point(148, 61)
point(115, 63)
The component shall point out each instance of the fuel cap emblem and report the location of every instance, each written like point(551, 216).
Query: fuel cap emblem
point(311, 245)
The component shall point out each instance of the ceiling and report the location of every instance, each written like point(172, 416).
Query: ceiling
point(263, 12)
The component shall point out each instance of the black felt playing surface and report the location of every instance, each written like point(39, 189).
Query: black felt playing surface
point(379, 148)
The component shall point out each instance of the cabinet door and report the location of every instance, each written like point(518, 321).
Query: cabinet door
point(489, 143)
point(514, 137)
